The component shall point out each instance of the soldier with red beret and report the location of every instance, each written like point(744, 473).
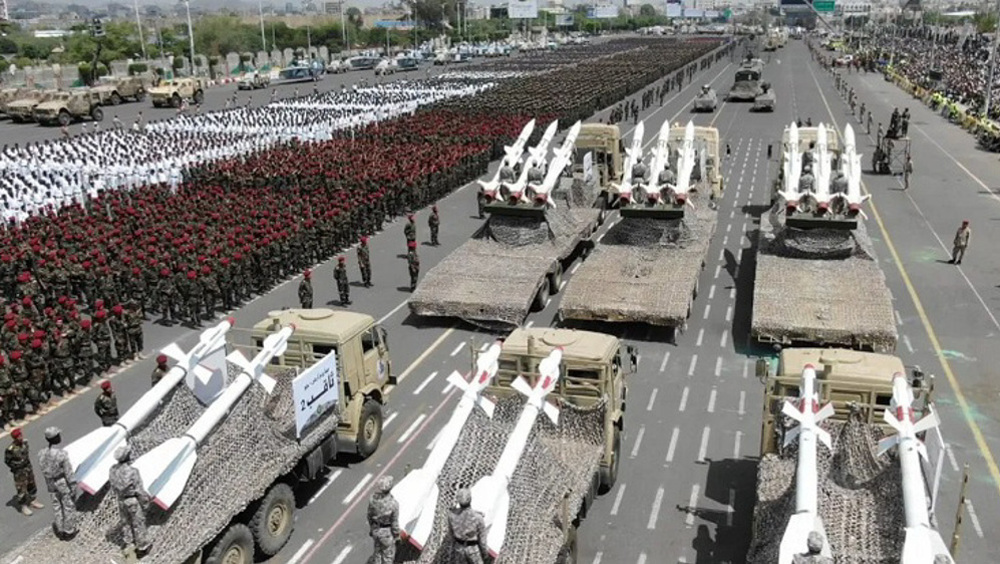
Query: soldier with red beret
point(161, 369)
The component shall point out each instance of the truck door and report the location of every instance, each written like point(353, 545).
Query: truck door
point(375, 369)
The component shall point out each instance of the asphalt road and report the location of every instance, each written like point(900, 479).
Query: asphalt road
point(686, 487)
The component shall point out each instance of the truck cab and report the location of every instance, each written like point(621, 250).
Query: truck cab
point(364, 369)
point(594, 367)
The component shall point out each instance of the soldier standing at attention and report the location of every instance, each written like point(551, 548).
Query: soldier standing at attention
point(813, 556)
point(468, 531)
point(413, 262)
point(306, 290)
point(962, 238)
point(343, 287)
point(907, 171)
point(18, 459)
point(410, 230)
point(364, 262)
point(161, 369)
point(132, 499)
point(58, 473)
point(106, 405)
point(434, 223)
point(383, 522)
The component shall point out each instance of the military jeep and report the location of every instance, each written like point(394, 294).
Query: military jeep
point(173, 92)
point(22, 109)
point(116, 90)
point(66, 107)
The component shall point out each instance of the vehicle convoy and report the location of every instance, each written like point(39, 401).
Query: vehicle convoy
point(869, 507)
point(818, 281)
point(706, 100)
point(114, 91)
point(659, 246)
point(547, 479)
point(537, 224)
point(766, 100)
point(173, 92)
point(746, 84)
point(22, 109)
point(254, 81)
point(66, 107)
point(329, 389)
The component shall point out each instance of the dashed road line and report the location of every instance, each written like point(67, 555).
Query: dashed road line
point(333, 477)
point(654, 514)
point(746, 368)
point(718, 269)
point(409, 430)
point(459, 348)
point(301, 551)
point(392, 416)
point(694, 363)
point(343, 555)
point(701, 335)
point(652, 399)
point(906, 342)
point(673, 444)
point(711, 400)
point(974, 518)
point(736, 445)
point(433, 442)
point(899, 318)
point(711, 292)
point(666, 359)
point(951, 457)
point(357, 489)
point(618, 500)
point(729, 314)
point(743, 401)
point(692, 504)
point(703, 449)
point(725, 338)
point(684, 399)
point(708, 309)
point(426, 381)
point(638, 441)
point(597, 557)
point(718, 366)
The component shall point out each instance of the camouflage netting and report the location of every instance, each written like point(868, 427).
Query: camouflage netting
point(860, 499)
point(820, 286)
point(254, 446)
point(495, 276)
point(558, 461)
point(643, 270)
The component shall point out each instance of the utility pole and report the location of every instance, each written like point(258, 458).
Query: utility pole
point(187, 6)
point(138, 25)
point(263, 38)
point(343, 26)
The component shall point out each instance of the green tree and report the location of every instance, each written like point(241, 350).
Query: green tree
point(647, 11)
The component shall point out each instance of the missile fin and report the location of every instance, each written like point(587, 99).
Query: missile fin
point(521, 385)
point(267, 383)
point(917, 545)
point(892, 421)
point(794, 540)
point(887, 443)
point(791, 435)
point(237, 358)
point(498, 530)
point(929, 421)
point(487, 405)
point(457, 380)
point(165, 470)
point(791, 411)
point(824, 438)
point(922, 450)
point(407, 494)
point(825, 413)
point(202, 373)
point(551, 411)
point(174, 352)
point(425, 522)
point(92, 456)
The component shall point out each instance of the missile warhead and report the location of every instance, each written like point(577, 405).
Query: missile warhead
point(548, 376)
point(808, 413)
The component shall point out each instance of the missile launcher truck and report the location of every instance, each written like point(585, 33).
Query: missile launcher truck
point(646, 267)
point(818, 282)
point(239, 497)
point(860, 492)
point(564, 465)
point(515, 261)
point(746, 83)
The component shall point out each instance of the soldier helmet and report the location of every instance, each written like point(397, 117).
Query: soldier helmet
point(52, 433)
point(85, 324)
point(106, 385)
point(26, 301)
point(123, 452)
point(100, 314)
point(16, 433)
point(162, 359)
point(36, 344)
point(965, 222)
point(384, 485)
point(409, 216)
point(463, 497)
point(364, 240)
point(341, 259)
point(136, 272)
point(117, 310)
point(307, 274)
point(434, 208)
point(815, 542)
point(192, 275)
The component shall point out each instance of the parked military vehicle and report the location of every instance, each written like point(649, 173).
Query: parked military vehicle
point(117, 90)
point(8, 95)
point(239, 502)
point(173, 92)
point(66, 107)
point(746, 83)
point(254, 81)
point(706, 100)
point(22, 109)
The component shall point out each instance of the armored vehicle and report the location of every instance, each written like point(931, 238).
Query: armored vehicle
point(240, 498)
point(765, 101)
point(254, 81)
point(706, 101)
point(66, 107)
point(746, 83)
point(23, 108)
point(173, 92)
point(117, 90)
point(8, 95)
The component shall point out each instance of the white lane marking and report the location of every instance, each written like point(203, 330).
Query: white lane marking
point(684, 399)
point(718, 366)
point(711, 400)
point(701, 335)
point(447, 388)
point(389, 419)
point(673, 444)
point(301, 551)
point(692, 503)
point(529, 324)
point(618, 500)
point(729, 227)
point(547, 302)
point(746, 368)
point(899, 318)
point(732, 214)
point(736, 445)
point(725, 240)
point(718, 269)
point(638, 442)
point(722, 254)
point(655, 513)
point(732, 293)
point(711, 292)
point(703, 449)
point(743, 402)
point(409, 430)
point(642, 559)
point(666, 359)
point(391, 313)
point(652, 399)
point(708, 308)
point(436, 438)
point(732, 507)
point(357, 489)
point(459, 348)
point(724, 340)
point(575, 268)
point(597, 557)
point(694, 362)
point(974, 518)
point(426, 381)
point(343, 555)
point(951, 457)
point(906, 341)
point(729, 313)
point(329, 481)
point(562, 285)
point(484, 347)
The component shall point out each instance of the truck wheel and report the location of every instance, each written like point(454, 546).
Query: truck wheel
point(370, 433)
point(555, 280)
point(97, 114)
point(140, 95)
point(115, 99)
point(609, 473)
point(175, 101)
point(274, 520)
point(540, 298)
point(235, 547)
point(65, 118)
point(199, 97)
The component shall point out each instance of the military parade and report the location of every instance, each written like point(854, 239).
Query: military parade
point(642, 241)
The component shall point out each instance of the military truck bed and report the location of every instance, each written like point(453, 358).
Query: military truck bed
point(558, 461)
point(820, 287)
point(860, 498)
point(238, 463)
point(643, 270)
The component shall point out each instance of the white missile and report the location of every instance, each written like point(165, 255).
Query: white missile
point(822, 170)
point(417, 493)
point(512, 156)
point(165, 469)
point(633, 155)
point(92, 455)
point(514, 192)
point(922, 543)
point(661, 158)
point(792, 170)
point(806, 518)
point(850, 164)
point(490, 495)
point(540, 193)
point(685, 165)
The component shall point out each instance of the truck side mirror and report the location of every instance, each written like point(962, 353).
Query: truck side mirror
point(633, 356)
point(761, 368)
point(383, 336)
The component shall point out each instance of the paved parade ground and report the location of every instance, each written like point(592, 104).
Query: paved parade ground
point(686, 487)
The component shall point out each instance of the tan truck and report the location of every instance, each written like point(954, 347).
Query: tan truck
point(172, 92)
point(117, 90)
point(66, 107)
point(22, 109)
point(8, 95)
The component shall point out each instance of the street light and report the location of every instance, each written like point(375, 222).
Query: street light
point(263, 39)
point(187, 6)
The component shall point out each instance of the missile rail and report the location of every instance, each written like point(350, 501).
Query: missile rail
point(243, 478)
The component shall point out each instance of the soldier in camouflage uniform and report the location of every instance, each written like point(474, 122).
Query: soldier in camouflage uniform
point(413, 263)
point(83, 348)
point(365, 263)
point(132, 500)
point(383, 522)
point(138, 290)
point(102, 338)
point(167, 295)
point(410, 229)
point(468, 531)
point(306, 290)
point(17, 457)
point(8, 396)
point(434, 223)
point(58, 473)
point(133, 328)
point(123, 347)
point(106, 405)
point(38, 374)
point(62, 365)
point(343, 286)
point(22, 385)
point(815, 545)
point(210, 291)
point(161, 369)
